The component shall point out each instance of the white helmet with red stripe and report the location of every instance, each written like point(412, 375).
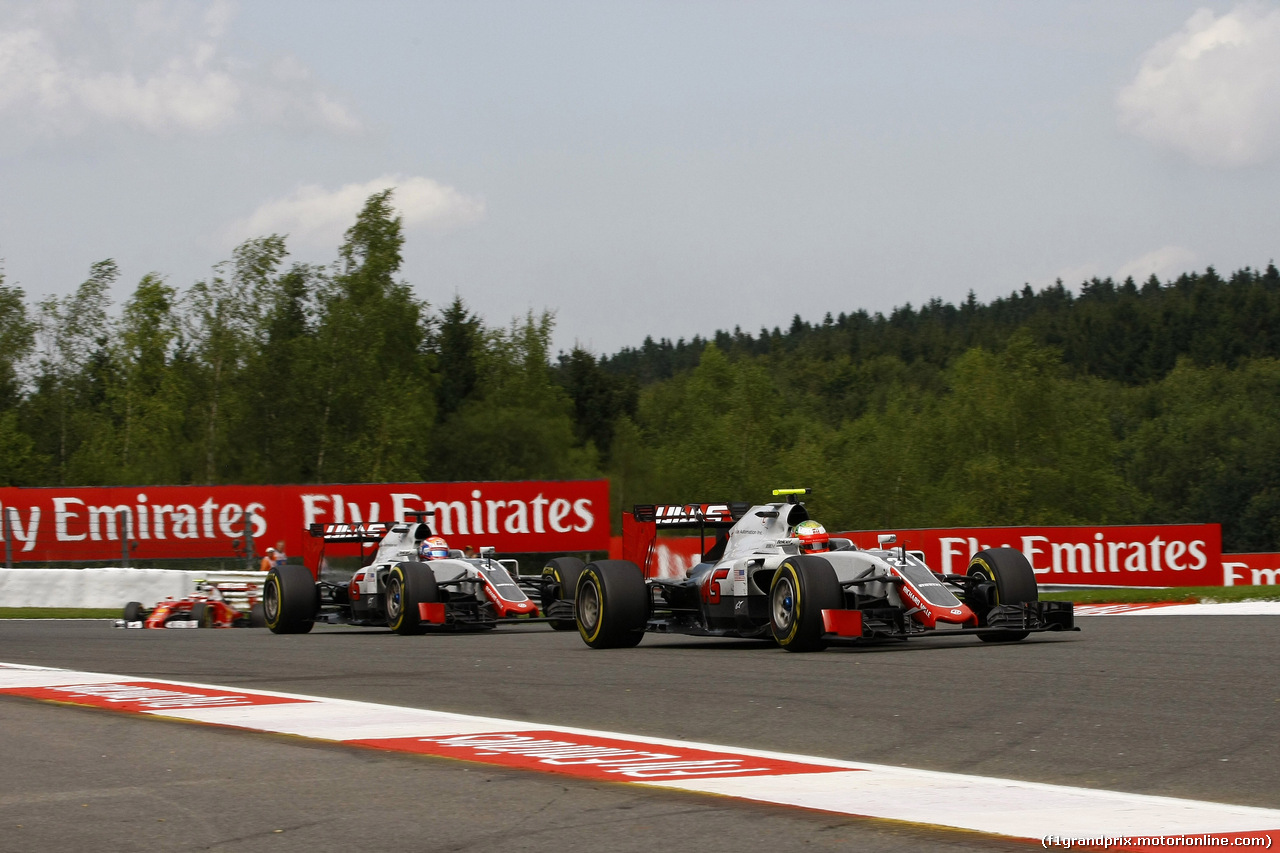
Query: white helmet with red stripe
point(813, 537)
point(434, 548)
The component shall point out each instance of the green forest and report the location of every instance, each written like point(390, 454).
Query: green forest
point(1124, 402)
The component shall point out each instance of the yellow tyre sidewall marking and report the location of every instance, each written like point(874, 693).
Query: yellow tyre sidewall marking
point(991, 575)
point(554, 574)
point(595, 579)
point(395, 626)
point(795, 605)
point(274, 580)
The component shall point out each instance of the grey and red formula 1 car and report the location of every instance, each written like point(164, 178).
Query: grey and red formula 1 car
point(392, 588)
point(207, 608)
point(756, 581)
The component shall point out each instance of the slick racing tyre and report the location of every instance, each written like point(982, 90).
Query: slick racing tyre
point(290, 599)
point(257, 619)
point(133, 612)
point(611, 604)
point(202, 615)
point(802, 588)
point(408, 585)
point(1004, 577)
point(559, 582)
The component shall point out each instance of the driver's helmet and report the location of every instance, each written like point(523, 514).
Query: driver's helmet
point(434, 548)
point(813, 537)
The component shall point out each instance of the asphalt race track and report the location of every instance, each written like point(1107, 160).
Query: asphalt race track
point(1178, 706)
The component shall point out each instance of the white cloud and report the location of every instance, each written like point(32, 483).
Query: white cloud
point(162, 68)
point(314, 216)
point(1165, 263)
point(1211, 90)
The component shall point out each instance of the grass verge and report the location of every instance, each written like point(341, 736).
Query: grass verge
point(59, 613)
point(1181, 594)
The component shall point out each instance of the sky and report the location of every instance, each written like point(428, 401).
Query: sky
point(653, 168)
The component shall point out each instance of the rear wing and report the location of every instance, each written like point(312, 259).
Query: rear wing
point(640, 526)
point(360, 533)
point(707, 515)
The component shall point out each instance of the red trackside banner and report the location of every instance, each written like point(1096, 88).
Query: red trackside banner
point(1157, 555)
point(1250, 569)
point(48, 524)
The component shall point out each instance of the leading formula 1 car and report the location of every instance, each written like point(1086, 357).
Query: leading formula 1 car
point(392, 588)
point(766, 576)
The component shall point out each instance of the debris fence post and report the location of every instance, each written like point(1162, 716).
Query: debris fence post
point(126, 533)
point(249, 552)
point(8, 540)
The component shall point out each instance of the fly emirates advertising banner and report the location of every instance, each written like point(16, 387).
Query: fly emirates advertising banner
point(48, 524)
point(1159, 555)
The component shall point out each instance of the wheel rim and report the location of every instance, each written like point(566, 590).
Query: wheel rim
point(984, 578)
point(393, 598)
point(589, 605)
point(783, 604)
point(271, 600)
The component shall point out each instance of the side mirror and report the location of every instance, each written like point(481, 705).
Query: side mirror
point(886, 539)
point(487, 551)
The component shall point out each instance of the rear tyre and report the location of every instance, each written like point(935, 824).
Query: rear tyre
point(1005, 577)
point(559, 582)
point(408, 585)
point(134, 612)
point(802, 588)
point(257, 619)
point(290, 599)
point(611, 604)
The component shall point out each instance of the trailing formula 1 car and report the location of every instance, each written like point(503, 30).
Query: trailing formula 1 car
point(409, 581)
point(207, 608)
point(773, 573)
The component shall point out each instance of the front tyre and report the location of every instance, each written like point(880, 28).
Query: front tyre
point(408, 585)
point(1004, 576)
point(134, 612)
point(559, 583)
point(290, 599)
point(802, 588)
point(611, 604)
point(202, 614)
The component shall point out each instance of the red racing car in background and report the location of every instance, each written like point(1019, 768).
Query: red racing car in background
point(207, 608)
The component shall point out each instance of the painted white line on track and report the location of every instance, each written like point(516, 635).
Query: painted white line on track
point(1225, 608)
point(1006, 807)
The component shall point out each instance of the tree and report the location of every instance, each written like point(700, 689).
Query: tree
point(377, 392)
point(458, 342)
point(73, 332)
point(1209, 450)
point(222, 314)
point(520, 425)
point(151, 391)
point(19, 461)
point(275, 426)
point(599, 398)
point(16, 339)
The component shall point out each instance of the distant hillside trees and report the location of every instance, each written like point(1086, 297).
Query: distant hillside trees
point(1122, 403)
